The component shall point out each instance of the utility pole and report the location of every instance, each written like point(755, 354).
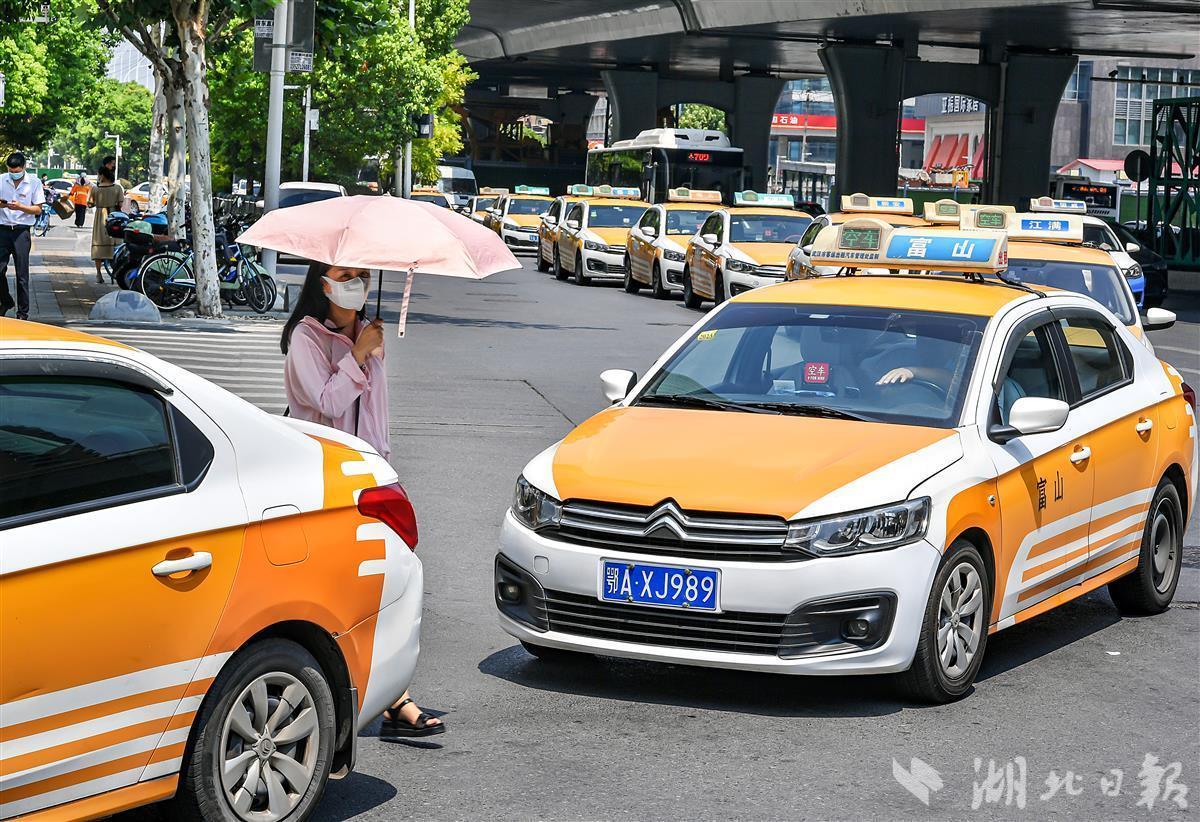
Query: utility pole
point(279, 46)
point(406, 182)
point(307, 130)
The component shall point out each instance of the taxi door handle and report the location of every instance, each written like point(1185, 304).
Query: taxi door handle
point(1143, 425)
point(1080, 454)
point(196, 562)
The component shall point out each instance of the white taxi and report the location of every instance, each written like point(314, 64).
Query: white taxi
point(743, 247)
point(591, 239)
point(895, 211)
point(1099, 234)
point(857, 475)
point(515, 217)
point(199, 602)
point(551, 223)
point(657, 245)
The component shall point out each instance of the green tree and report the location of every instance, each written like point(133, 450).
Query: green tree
point(114, 107)
point(48, 67)
point(697, 115)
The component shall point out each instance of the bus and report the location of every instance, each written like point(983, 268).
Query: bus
point(660, 159)
point(1103, 199)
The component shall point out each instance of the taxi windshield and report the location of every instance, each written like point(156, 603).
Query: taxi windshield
point(1100, 282)
point(528, 206)
point(767, 228)
point(615, 216)
point(436, 199)
point(849, 362)
point(484, 203)
point(685, 222)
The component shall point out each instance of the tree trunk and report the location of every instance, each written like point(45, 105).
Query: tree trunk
point(195, 100)
point(158, 133)
point(177, 152)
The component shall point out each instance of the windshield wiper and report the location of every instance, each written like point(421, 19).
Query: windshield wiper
point(690, 401)
point(813, 411)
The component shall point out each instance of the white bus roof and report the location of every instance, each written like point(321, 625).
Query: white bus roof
point(678, 138)
point(455, 171)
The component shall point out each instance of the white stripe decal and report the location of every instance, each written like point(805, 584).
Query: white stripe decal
point(69, 793)
point(165, 768)
point(1070, 583)
point(143, 744)
point(94, 727)
point(1058, 553)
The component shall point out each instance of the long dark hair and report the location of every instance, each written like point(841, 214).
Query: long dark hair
point(312, 302)
point(105, 173)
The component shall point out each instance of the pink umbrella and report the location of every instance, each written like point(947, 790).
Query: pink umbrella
point(385, 233)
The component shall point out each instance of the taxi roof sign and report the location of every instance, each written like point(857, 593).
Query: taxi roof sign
point(877, 205)
point(534, 190)
point(757, 198)
point(1059, 228)
point(580, 190)
point(693, 195)
point(616, 192)
point(988, 217)
point(1050, 204)
point(944, 211)
point(493, 192)
point(872, 243)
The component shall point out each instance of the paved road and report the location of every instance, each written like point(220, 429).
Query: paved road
point(493, 371)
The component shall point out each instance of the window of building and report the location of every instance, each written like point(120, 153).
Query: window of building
point(1137, 89)
point(1080, 83)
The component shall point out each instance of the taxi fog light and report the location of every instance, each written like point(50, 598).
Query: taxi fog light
point(391, 505)
point(529, 604)
point(856, 629)
point(877, 529)
point(594, 246)
point(673, 256)
point(510, 592)
point(738, 265)
point(534, 508)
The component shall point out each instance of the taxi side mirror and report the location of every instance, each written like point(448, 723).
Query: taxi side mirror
point(1031, 415)
point(616, 383)
point(650, 231)
point(572, 224)
point(1132, 248)
point(1158, 319)
point(550, 220)
point(807, 249)
point(711, 239)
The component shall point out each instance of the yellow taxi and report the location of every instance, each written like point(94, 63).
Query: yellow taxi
point(428, 194)
point(515, 217)
point(895, 211)
point(591, 238)
point(657, 245)
point(859, 475)
point(482, 202)
point(743, 247)
point(199, 602)
point(552, 221)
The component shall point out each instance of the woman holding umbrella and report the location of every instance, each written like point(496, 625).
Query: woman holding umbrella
point(334, 375)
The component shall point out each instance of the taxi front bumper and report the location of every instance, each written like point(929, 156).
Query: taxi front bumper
point(604, 265)
point(672, 274)
point(740, 281)
point(561, 582)
point(519, 240)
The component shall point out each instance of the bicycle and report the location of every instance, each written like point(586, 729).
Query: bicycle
point(42, 223)
point(167, 280)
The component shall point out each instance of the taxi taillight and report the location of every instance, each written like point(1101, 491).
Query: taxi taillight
point(390, 505)
point(1189, 395)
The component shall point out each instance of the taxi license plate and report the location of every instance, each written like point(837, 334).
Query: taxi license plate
point(665, 586)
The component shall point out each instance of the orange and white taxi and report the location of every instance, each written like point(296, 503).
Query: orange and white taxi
point(482, 203)
point(856, 475)
point(657, 245)
point(895, 211)
point(740, 248)
point(591, 238)
point(198, 601)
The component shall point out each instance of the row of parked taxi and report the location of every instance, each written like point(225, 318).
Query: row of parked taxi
point(693, 245)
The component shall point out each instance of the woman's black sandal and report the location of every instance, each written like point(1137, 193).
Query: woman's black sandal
point(395, 727)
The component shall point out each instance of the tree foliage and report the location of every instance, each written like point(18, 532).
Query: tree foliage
point(697, 115)
point(114, 107)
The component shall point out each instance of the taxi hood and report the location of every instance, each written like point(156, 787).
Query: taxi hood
point(765, 253)
point(611, 236)
point(775, 465)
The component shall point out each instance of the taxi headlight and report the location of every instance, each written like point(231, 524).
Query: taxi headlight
point(534, 508)
point(594, 246)
point(673, 256)
point(877, 529)
point(1133, 272)
point(738, 265)
point(509, 224)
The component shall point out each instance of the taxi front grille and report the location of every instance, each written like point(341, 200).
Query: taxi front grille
point(668, 530)
point(616, 249)
point(772, 270)
point(741, 632)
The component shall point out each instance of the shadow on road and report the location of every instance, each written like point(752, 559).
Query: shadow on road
point(354, 795)
point(488, 322)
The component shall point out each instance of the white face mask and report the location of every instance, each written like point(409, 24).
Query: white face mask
point(351, 294)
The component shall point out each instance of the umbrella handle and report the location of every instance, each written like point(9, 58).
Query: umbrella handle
point(404, 304)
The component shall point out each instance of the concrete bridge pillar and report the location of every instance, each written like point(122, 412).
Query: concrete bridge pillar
point(632, 101)
point(754, 100)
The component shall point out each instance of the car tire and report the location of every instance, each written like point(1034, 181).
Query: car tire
point(1151, 587)
point(281, 667)
point(542, 265)
point(631, 285)
point(547, 654)
point(930, 678)
point(657, 289)
point(557, 268)
point(690, 298)
point(719, 288)
point(580, 277)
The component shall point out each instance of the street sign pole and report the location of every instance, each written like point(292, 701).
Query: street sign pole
point(406, 188)
point(275, 120)
point(307, 130)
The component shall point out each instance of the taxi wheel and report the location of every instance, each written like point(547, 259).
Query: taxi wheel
point(1150, 588)
point(632, 286)
point(954, 628)
point(657, 289)
point(690, 298)
point(719, 288)
point(263, 742)
point(557, 268)
point(542, 265)
point(580, 277)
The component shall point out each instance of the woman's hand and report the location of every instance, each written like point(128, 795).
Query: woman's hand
point(369, 342)
point(896, 376)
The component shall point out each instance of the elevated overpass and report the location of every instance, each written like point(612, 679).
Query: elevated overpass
point(550, 57)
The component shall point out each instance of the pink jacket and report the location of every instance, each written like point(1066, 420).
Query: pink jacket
point(323, 381)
